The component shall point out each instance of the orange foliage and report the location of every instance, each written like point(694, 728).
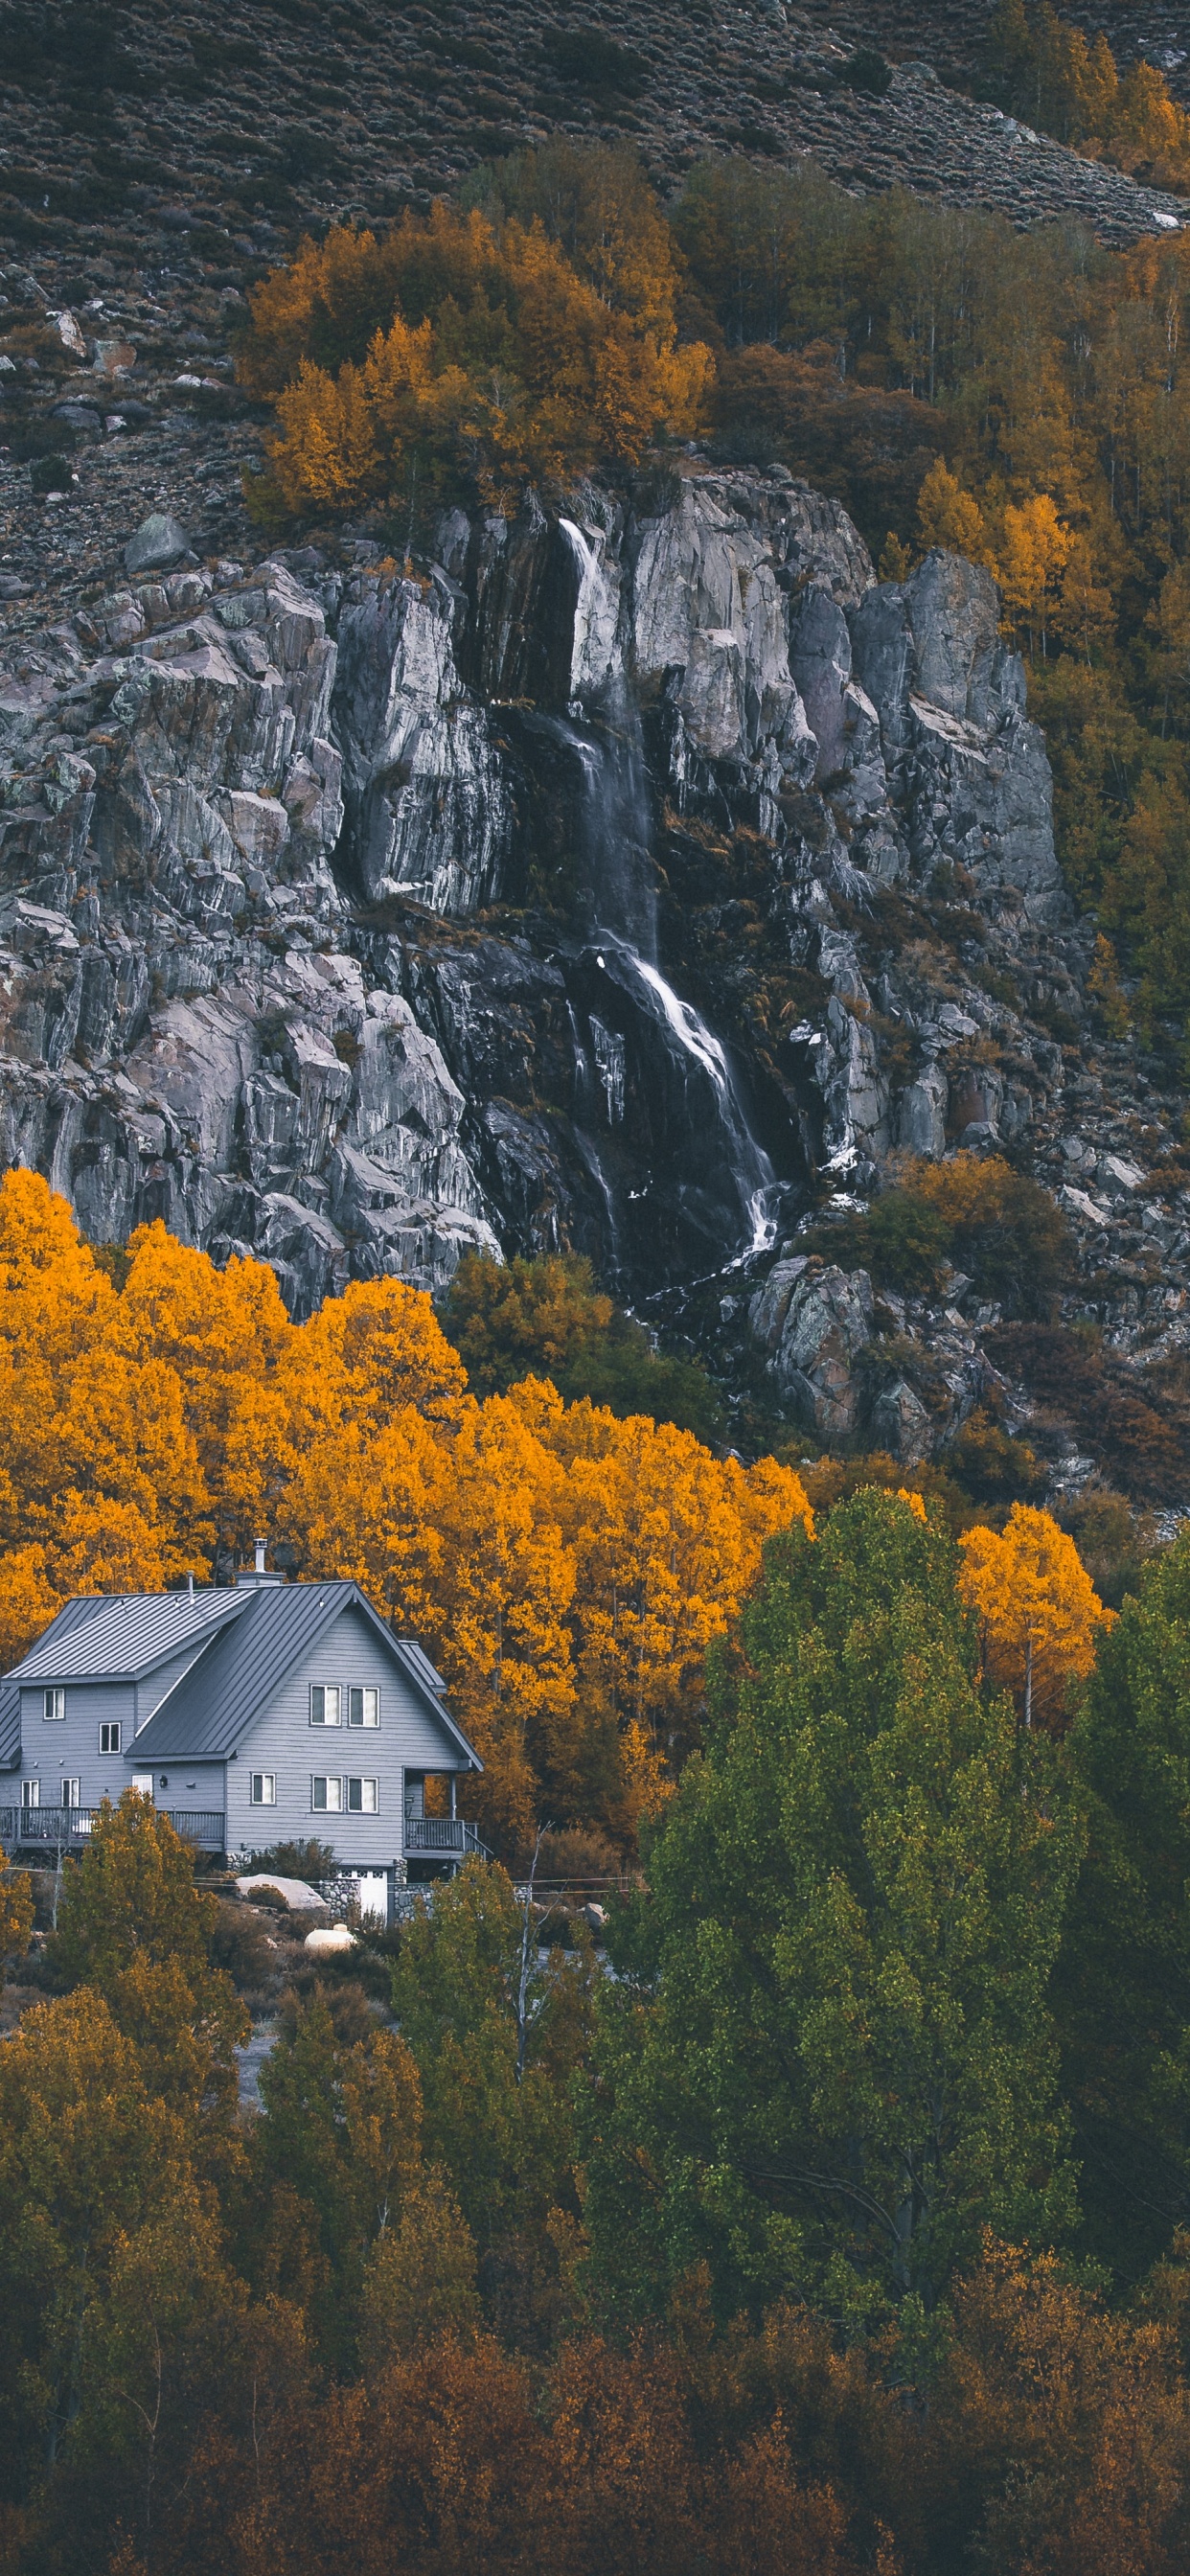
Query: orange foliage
point(1038, 1610)
point(566, 1570)
point(484, 355)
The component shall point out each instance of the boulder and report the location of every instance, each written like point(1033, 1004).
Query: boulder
point(159, 540)
point(295, 1894)
point(1117, 1177)
point(79, 416)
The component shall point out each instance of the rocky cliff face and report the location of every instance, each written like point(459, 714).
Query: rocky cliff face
point(604, 885)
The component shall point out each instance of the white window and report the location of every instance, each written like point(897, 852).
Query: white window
point(363, 1797)
point(324, 1704)
point(72, 1793)
point(30, 1793)
point(109, 1735)
point(264, 1788)
point(363, 1708)
point(327, 1796)
point(53, 1704)
point(142, 1782)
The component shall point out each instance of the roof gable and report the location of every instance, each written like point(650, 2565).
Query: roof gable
point(122, 1636)
point(216, 1702)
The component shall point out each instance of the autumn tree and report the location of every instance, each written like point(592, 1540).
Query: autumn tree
point(134, 1930)
point(546, 1318)
point(1038, 1612)
point(1059, 2432)
point(566, 1564)
point(16, 1913)
point(493, 360)
point(341, 2203)
point(949, 517)
point(1035, 548)
point(88, 2154)
point(827, 2059)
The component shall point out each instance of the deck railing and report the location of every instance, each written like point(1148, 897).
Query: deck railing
point(62, 1828)
point(438, 1836)
point(206, 1826)
point(59, 1826)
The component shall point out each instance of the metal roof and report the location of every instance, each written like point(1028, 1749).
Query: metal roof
point(119, 1636)
point(217, 1700)
point(10, 1726)
point(419, 1663)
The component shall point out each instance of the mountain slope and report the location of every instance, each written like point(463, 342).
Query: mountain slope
point(639, 882)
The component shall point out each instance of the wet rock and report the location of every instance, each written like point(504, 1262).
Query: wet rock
point(315, 946)
point(423, 791)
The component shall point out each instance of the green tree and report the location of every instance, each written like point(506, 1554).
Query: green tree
point(134, 1928)
point(1123, 1985)
point(546, 1318)
point(498, 2036)
point(421, 2276)
point(827, 2062)
point(333, 2162)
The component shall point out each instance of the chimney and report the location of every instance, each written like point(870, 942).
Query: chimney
point(255, 1578)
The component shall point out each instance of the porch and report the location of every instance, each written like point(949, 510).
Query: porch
point(435, 1838)
point(66, 1829)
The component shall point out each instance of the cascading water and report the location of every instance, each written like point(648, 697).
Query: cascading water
point(621, 893)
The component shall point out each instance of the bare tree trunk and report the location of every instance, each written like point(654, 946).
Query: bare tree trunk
point(522, 2017)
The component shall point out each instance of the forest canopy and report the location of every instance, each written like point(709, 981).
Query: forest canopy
point(691, 2266)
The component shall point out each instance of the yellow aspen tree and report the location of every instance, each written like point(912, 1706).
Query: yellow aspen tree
point(1038, 1611)
point(951, 518)
point(1035, 549)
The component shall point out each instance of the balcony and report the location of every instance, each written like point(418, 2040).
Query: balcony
point(442, 1838)
point(65, 1828)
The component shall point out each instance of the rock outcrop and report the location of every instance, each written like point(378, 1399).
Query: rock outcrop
point(626, 880)
point(338, 914)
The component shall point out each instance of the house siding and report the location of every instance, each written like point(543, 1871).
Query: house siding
point(284, 1742)
point(67, 1748)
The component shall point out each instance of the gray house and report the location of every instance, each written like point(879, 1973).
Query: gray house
point(267, 1713)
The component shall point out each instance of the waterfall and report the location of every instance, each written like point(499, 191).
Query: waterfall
point(750, 1163)
point(621, 895)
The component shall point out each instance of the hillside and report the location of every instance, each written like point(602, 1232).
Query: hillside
point(151, 171)
point(646, 878)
